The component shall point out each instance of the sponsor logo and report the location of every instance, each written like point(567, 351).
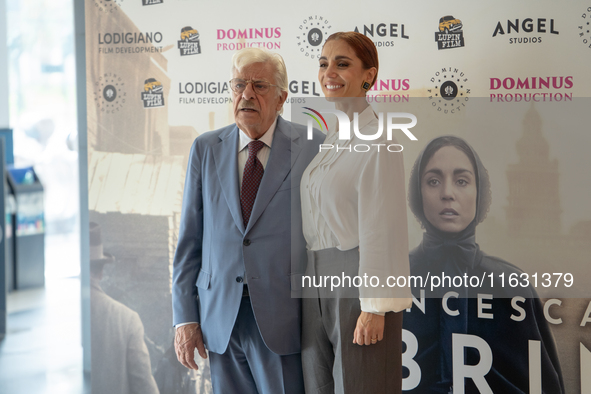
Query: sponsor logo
point(204, 93)
point(152, 2)
point(153, 94)
point(345, 130)
point(189, 43)
point(510, 89)
point(449, 34)
point(108, 6)
point(383, 34)
point(124, 43)
point(525, 28)
point(259, 37)
point(380, 92)
point(584, 27)
point(109, 93)
point(450, 91)
point(312, 33)
point(309, 88)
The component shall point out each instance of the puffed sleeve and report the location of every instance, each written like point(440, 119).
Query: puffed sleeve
point(383, 234)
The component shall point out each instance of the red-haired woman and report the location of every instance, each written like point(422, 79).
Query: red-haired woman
point(354, 220)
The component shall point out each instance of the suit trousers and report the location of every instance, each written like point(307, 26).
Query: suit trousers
point(332, 363)
point(249, 367)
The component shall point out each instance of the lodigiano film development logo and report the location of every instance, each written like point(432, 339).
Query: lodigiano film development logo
point(584, 27)
point(525, 31)
point(108, 6)
point(450, 91)
point(449, 34)
point(312, 33)
point(109, 93)
point(152, 2)
point(345, 131)
point(204, 92)
point(189, 42)
point(127, 43)
point(153, 94)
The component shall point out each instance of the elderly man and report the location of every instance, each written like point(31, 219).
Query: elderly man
point(240, 243)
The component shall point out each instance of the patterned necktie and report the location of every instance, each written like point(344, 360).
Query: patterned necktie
point(251, 179)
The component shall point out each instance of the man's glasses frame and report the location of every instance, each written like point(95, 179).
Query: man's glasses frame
point(261, 87)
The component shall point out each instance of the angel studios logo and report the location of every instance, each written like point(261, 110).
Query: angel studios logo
point(449, 34)
point(109, 93)
point(153, 94)
point(584, 27)
point(312, 33)
point(383, 34)
point(525, 31)
point(108, 6)
point(450, 92)
point(189, 43)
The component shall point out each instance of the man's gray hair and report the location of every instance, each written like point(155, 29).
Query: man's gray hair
point(248, 56)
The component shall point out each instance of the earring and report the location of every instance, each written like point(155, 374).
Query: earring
point(365, 86)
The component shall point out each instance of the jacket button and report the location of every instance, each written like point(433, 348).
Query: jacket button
point(239, 279)
point(246, 242)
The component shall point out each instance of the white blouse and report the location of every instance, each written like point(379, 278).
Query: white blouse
point(357, 199)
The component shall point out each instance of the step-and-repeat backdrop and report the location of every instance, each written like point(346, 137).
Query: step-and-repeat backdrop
point(512, 78)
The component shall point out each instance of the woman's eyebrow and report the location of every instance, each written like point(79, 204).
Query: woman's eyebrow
point(458, 171)
point(435, 171)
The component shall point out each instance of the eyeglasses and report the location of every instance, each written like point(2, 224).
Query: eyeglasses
point(260, 87)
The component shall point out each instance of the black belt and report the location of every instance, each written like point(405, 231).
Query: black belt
point(245, 291)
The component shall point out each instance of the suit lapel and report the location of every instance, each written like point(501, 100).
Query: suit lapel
point(226, 162)
point(284, 152)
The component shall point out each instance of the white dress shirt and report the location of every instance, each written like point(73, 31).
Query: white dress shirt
point(357, 199)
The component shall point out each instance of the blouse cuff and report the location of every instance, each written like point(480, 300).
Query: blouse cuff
point(380, 306)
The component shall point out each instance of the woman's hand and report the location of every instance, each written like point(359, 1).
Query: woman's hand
point(369, 329)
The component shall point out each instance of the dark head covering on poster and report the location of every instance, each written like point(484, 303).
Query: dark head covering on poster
point(506, 328)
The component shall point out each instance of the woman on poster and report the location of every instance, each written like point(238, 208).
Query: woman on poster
point(354, 222)
point(449, 194)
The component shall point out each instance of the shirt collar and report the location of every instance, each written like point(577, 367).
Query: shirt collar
point(365, 117)
point(267, 138)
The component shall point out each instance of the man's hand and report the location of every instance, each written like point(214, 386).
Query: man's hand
point(369, 329)
point(186, 339)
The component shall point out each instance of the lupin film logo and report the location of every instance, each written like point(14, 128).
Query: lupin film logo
point(109, 93)
point(189, 43)
point(450, 92)
point(312, 33)
point(584, 27)
point(108, 6)
point(152, 2)
point(153, 94)
point(449, 34)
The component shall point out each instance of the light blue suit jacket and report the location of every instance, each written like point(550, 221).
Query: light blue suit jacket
point(214, 249)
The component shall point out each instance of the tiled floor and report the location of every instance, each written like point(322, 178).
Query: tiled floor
point(42, 350)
